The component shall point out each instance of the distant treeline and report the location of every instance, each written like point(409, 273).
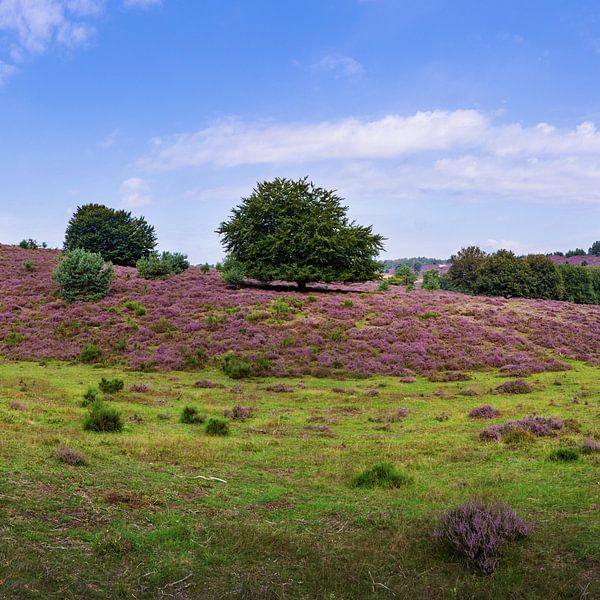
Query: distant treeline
point(415, 263)
point(534, 276)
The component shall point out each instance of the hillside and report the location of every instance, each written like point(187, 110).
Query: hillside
point(193, 318)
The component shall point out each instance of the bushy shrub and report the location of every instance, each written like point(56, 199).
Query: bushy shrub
point(239, 413)
point(477, 530)
point(232, 272)
point(538, 426)
point(111, 386)
point(384, 286)
point(235, 366)
point(487, 411)
point(518, 437)
point(30, 244)
point(90, 396)
point(161, 266)
point(83, 275)
point(205, 268)
point(516, 386)
point(565, 454)
point(102, 418)
point(190, 415)
point(208, 384)
point(70, 457)
point(140, 388)
point(14, 338)
point(136, 307)
point(28, 265)
point(465, 268)
point(504, 274)
point(383, 475)
point(578, 284)
point(431, 280)
point(90, 353)
point(403, 276)
point(217, 426)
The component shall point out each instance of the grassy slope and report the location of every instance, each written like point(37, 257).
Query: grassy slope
point(135, 523)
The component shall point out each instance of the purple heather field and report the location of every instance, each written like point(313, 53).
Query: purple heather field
point(353, 330)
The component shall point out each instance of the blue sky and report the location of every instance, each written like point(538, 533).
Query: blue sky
point(442, 123)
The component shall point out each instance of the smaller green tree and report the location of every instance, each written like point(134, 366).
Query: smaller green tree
point(161, 266)
point(504, 274)
point(465, 267)
point(431, 280)
point(546, 281)
point(83, 275)
point(578, 284)
point(576, 252)
point(594, 249)
point(403, 276)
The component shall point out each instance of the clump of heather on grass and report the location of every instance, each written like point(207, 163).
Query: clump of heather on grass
point(477, 530)
point(190, 415)
point(537, 426)
point(239, 413)
point(486, 411)
point(70, 457)
point(590, 446)
point(140, 388)
point(217, 427)
point(383, 475)
point(208, 384)
point(279, 388)
point(516, 386)
point(448, 376)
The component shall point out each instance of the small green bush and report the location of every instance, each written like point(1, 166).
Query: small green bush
point(190, 415)
point(565, 454)
point(161, 266)
point(232, 272)
point(90, 353)
point(235, 366)
point(30, 244)
point(28, 265)
point(111, 386)
point(90, 396)
point(14, 338)
point(518, 437)
point(381, 475)
point(217, 426)
point(83, 275)
point(136, 307)
point(205, 268)
point(102, 418)
point(384, 286)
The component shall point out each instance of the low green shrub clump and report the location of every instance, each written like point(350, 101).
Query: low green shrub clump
point(83, 275)
point(14, 338)
point(90, 353)
point(518, 437)
point(90, 396)
point(381, 475)
point(28, 265)
point(190, 415)
point(565, 454)
point(217, 426)
point(111, 386)
point(161, 266)
point(102, 418)
point(235, 366)
point(136, 307)
point(232, 272)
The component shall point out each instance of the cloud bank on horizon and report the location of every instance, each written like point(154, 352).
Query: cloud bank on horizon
point(440, 123)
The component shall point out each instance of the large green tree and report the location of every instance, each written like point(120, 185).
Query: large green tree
point(578, 284)
point(546, 281)
point(115, 234)
point(294, 231)
point(466, 264)
point(504, 274)
point(595, 249)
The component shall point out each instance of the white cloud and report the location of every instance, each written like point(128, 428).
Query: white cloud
point(135, 192)
point(141, 3)
point(340, 66)
point(448, 152)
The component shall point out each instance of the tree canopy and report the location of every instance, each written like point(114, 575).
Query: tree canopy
point(115, 234)
point(294, 231)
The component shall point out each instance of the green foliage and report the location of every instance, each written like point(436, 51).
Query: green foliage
point(294, 231)
point(190, 415)
point(414, 262)
point(28, 265)
point(30, 244)
point(565, 454)
point(14, 338)
point(90, 396)
point(232, 271)
point(136, 307)
point(205, 268)
point(216, 426)
point(83, 275)
point(594, 249)
point(280, 308)
point(464, 271)
point(546, 281)
point(383, 475)
point(235, 366)
point(578, 284)
point(403, 276)
point(384, 286)
point(102, 418)
point(161, 266)
point(194, 359)
point(576, 252)
point(428, 314)
point(431, 280)
point(504, 274)
point(111, 386)
point(90, 353)
point(115, 234)
point(518, 437)
point(595, 276)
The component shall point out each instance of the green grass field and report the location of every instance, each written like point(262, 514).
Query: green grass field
point(138, 521)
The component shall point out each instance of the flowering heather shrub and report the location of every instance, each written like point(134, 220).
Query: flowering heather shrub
point(516, 386)
point(396, 416)
point(407, 379)
point(590, 446)
point(239, 413)
point(477, 530)
point(371, 392)
point(207, 384)
point(449, 376)
point(487, 411)
point(383, 475)
point(279, 388)
point(140, 388)
point(380, 334)
point(538, 426)
point(70, 457)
